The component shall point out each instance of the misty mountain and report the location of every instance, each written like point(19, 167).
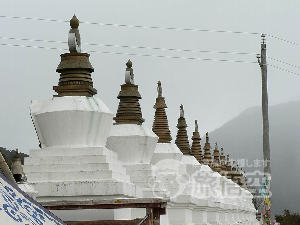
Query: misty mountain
point(241, 137)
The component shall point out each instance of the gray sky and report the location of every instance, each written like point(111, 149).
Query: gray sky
point(212, 92)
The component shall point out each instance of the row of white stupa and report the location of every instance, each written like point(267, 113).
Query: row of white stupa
point(83, 156)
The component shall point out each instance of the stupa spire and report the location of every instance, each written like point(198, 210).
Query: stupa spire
point(228, 168)
point(207, 159)
point(182, 140)
point(74, 41)
point(239, 176)
point(75, 68)
point(160, 124)
point(243, 179)
point(216, 163)
point(196, 146)
point(223, 163)
point(129, 110)
point(234, 172)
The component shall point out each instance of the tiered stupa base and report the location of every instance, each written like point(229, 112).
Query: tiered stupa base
point(78, 173)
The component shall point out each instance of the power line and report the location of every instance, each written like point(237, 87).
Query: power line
point(151, 27)
point(134, 47)
point(32, 18)
point(283, 62)
point(284, 69)
point(32, 46)
point(132, 54)
point(134, 26)
point(284, 40)
point(33, 40)
point(172, 49)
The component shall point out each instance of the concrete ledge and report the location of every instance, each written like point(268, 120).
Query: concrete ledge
point(86, 188)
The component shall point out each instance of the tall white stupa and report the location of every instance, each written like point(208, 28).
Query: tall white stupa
point(72, 127)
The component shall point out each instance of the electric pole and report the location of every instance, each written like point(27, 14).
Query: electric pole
point(266, 138)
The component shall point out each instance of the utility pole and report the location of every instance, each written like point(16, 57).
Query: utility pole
point(266, 138)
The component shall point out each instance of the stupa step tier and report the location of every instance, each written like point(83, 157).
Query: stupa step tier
point(94, 171)
point(143, 175)
point(85, 167)
point(74, 190)
point(78, 176)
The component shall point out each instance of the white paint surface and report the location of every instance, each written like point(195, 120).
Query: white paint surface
point(133, 143)
point(71, 121)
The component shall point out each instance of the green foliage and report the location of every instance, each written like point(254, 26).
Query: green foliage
point(288, 218)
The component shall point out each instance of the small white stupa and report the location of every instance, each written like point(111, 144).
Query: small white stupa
point(130, 138)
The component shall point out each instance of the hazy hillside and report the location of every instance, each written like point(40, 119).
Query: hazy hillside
point(242, 138)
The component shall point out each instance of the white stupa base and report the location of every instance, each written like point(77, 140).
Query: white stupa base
point(78, 173)
point(167, 155)
point(100, 214)
point(180, 214)
point(134, 144)
point(144, 176)
point(84, 214)
point(71, 121)
point(28, 189)
point(183, 203)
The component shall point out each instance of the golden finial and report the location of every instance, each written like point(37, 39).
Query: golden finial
point(196, 125)
point(74, 22)
point(207, 138)
point(129, 64)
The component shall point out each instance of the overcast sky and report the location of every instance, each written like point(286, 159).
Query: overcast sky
point(212, 92)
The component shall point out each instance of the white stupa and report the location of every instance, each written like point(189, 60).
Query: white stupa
point(132, 140)
point(73, 162)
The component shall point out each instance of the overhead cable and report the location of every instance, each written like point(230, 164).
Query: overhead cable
point(32, 18)
point(151, 27)
point(283, 69)
point(283, 62)
point(134, 47)
point(159, 56)
point(284, 40)
point(133, 26)
point(132, 54)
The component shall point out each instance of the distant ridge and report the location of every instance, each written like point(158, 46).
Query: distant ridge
point(241, 137)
